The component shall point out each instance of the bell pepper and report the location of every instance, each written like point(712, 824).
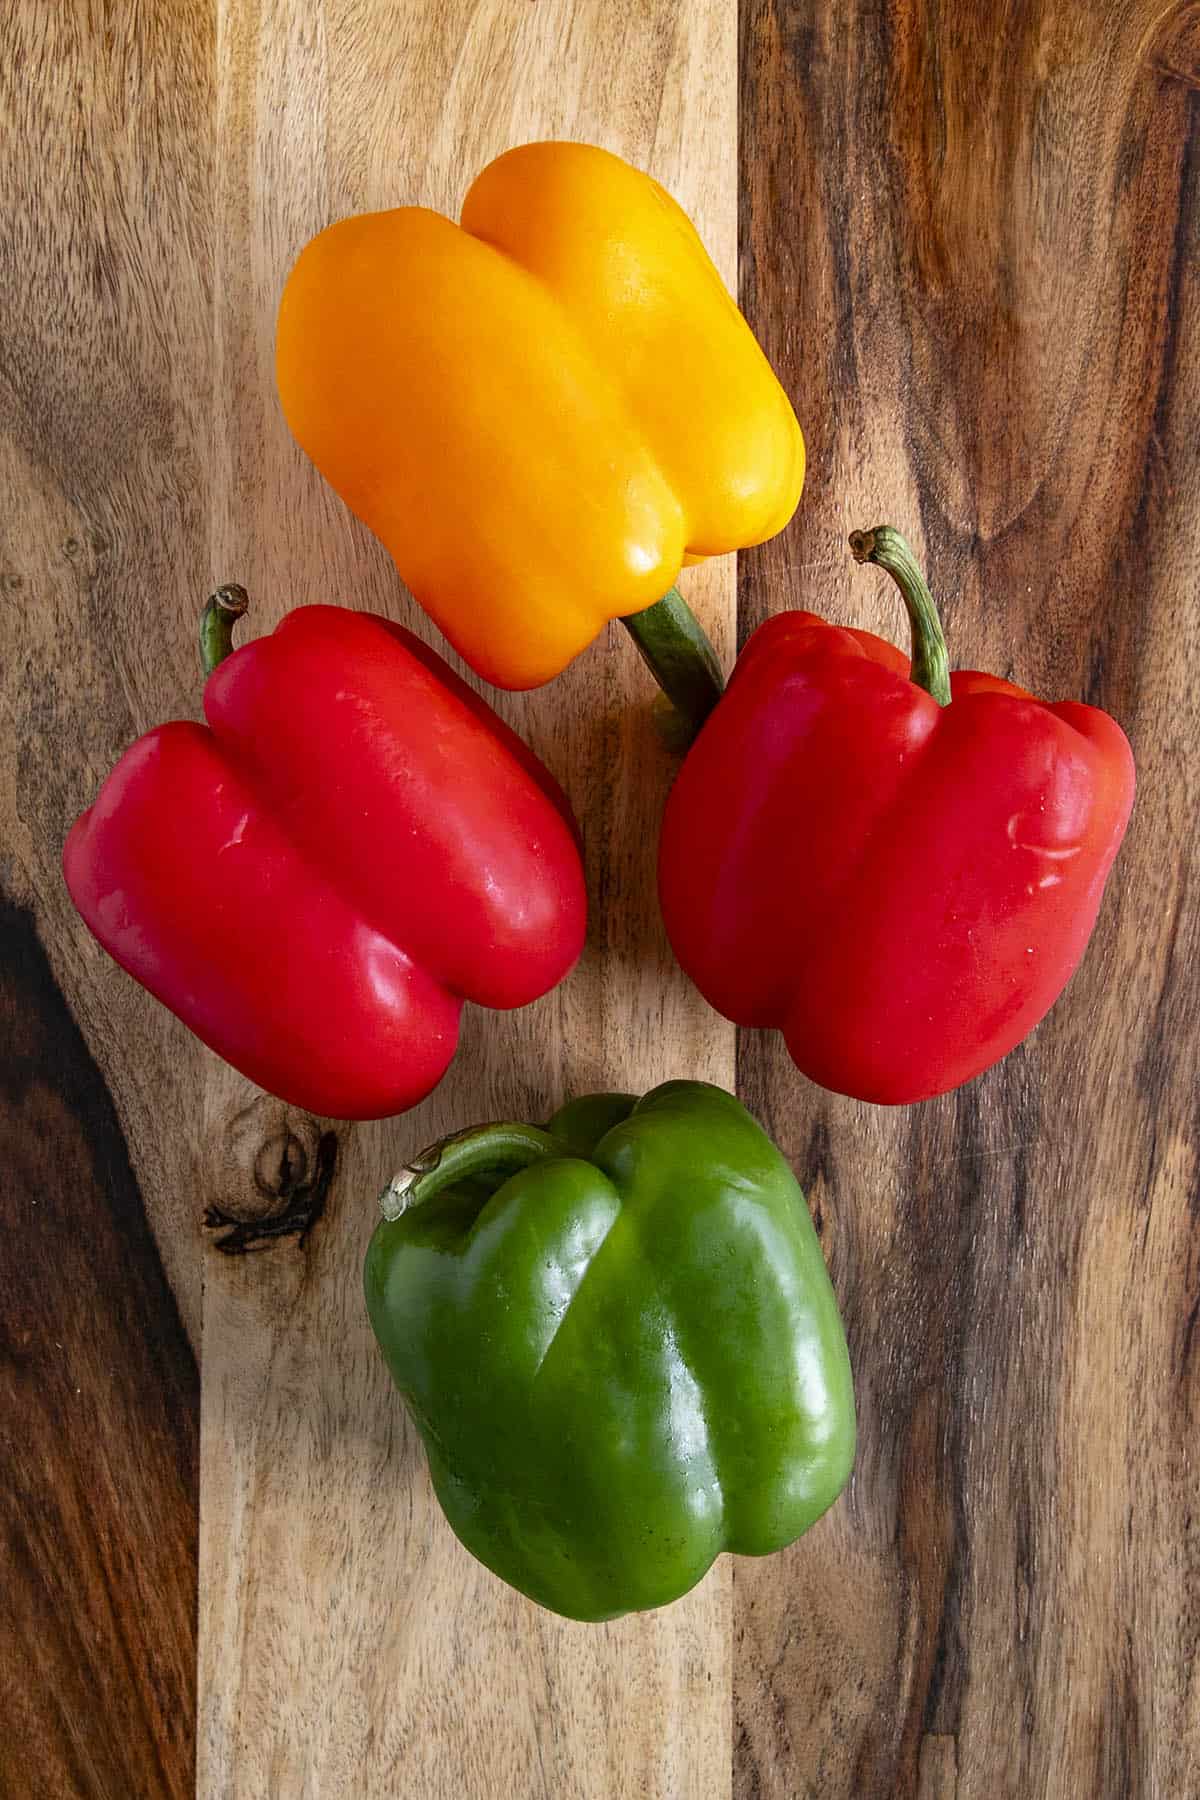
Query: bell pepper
point(619, 1343)
point(897, 867)
point(543, 412)
point(316, 880)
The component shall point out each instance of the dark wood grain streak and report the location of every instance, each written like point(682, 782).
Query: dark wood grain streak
point(969, 242)
point(99, 1402)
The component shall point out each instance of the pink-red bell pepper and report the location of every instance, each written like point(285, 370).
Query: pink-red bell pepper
point(901, 872)
point(317, 879)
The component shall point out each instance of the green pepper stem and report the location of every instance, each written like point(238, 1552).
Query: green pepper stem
point(481, 1149)
point(676, 649)
point(217, 621)
point(885, 547)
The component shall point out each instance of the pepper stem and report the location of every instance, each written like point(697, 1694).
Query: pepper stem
point(885, 547)
point(675, 648)
point(217, 621)
point(481, 1149)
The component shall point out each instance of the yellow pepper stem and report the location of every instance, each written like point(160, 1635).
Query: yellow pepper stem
point(676, 649)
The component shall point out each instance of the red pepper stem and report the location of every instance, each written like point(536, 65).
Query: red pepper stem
point(885, 547)
point(217, 621)
point(675, 648)
point(480, 1150)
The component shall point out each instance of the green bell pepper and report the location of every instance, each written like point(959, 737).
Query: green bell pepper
point(619, 1343)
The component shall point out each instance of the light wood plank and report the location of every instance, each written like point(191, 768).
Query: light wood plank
point(105, 363)
point(105, 351)
point(349, 1647)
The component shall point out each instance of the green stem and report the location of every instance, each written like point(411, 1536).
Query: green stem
point(885, 547)
point(217, 621)
point(675, 648)
point(481, 1149)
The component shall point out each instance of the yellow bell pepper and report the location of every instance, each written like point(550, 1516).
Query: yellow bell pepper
point(542, 412)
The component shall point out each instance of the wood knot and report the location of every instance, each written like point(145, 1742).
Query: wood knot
point(280, 1166)
point(279, 1169)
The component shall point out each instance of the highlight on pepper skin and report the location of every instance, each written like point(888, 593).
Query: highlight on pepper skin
point(900, 873)
point(500, 401)
point(317, 879)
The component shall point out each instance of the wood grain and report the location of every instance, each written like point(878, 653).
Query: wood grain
point(105, 390)
point(104, 355)
point(99, 1402)
point(349, 1646)
point(969, 241)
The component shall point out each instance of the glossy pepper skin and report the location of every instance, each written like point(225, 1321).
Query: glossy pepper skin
point(903, 887)
point(317, 879)
point(620, 1345)
point(543, 411)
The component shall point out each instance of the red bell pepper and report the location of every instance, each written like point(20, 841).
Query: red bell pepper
point(901, 871)
point(316, 880)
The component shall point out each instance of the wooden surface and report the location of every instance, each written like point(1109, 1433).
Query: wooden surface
point(99, 1398)
point(969, 242)
point(348, 1645)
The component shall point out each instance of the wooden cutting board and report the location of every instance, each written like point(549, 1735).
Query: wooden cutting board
point(969, 243)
